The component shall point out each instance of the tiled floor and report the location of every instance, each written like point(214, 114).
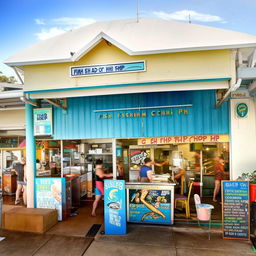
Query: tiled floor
point(78, 225)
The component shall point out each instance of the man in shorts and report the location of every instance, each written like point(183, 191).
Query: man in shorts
point(20, 170)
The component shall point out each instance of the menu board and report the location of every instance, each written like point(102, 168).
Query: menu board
point(150, 206)
point(235, 210)
point(114, 207)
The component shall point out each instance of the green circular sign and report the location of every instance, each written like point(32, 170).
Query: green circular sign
point(242, 109)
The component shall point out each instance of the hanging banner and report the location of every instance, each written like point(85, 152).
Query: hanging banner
point(184, 139)
point(51, 194)
point(114, 207)
point(42, 121)
point(235, 210)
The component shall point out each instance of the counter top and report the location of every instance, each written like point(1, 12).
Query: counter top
point(150, 185)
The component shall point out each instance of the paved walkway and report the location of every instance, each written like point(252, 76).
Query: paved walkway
point(167, 241)
point(140, 241)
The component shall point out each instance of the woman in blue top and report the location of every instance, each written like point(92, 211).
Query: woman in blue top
point(146, 170)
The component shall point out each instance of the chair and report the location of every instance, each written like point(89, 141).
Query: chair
point(182, 182)
point(184, 200)
point(203, 212)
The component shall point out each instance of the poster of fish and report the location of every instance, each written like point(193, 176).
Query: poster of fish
point(150, 206)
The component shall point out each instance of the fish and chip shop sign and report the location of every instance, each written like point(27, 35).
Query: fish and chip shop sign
point(114, 207)
point(42, 121)
point(105, 69)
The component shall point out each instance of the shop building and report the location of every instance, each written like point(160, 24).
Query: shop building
point(123, 90)
point(12, 134)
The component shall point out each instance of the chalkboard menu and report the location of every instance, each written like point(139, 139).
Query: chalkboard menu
point(235, 210)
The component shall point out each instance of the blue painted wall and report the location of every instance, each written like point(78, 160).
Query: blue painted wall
point(80, 122)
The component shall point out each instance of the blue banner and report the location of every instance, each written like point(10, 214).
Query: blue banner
point(114, 207)
point(150, 206)
point(107, 69)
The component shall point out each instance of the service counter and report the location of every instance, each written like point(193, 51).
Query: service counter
point(151, 203)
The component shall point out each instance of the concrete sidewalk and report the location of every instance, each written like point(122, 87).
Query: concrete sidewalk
point(28, 244)
point(140, 241)
point(167, 241)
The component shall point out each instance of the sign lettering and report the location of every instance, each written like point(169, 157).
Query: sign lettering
point(105, 69)
point(184, 139)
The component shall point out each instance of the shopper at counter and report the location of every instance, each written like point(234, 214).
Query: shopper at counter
point(146, 170)
point(100, 175)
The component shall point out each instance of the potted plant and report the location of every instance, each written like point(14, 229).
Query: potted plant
point(251, 177)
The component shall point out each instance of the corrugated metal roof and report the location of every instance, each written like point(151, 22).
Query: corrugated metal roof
point(148, 36)
point(81, 122)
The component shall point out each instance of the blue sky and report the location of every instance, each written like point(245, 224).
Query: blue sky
point(24, 22)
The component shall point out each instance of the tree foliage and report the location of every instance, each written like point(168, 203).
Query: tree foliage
point(7, 79)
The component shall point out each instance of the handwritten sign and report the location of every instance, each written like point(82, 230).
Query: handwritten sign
point(235, 210)
point(105, 69)
point(42, 121)
point(184, 139)
point(114, 207)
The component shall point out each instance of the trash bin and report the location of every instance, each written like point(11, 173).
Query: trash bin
point(204, 212)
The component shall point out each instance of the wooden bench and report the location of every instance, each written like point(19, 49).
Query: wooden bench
point(29, 220)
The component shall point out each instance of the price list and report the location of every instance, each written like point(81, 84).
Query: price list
point(235, 210)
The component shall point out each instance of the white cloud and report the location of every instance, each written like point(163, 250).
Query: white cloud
point(39, 22)
point(60, 25)
point(185, 15)
point(73, 22)
point(47, 33)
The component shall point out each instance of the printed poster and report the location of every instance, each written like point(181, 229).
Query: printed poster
point(150, 206)
point(42, 121)
point(50, 194)
point(114, 207)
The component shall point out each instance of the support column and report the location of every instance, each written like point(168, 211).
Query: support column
point(243, 137)
point(114, 158)
point(30, 156)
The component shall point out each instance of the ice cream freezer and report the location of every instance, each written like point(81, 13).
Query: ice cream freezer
point(150, 203)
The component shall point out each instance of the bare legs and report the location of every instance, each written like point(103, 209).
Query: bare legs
point(95, 204)
point(216, 190)
point(20, 189)
point(25, 195)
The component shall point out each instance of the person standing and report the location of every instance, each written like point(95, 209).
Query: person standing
point(20, 170)
point(219, 176)
point(146, 170)
point(100, 175)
